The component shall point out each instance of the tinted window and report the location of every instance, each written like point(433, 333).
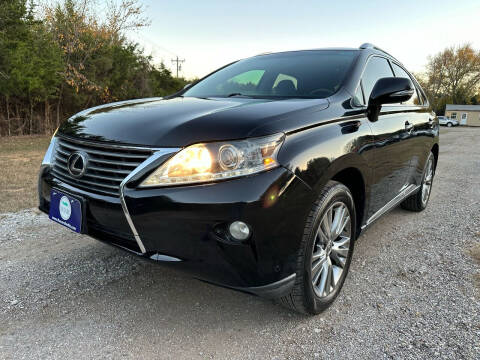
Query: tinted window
point(305, 74)
point(242, 83)
point(399, 72)
point(377, 68)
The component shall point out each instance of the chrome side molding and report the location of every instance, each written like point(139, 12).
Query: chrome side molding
point(402, 195)
point(143, 167)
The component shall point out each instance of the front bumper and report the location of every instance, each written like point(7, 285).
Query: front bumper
point(185, 227)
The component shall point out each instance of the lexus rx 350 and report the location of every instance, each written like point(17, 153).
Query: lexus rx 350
point(259, 177)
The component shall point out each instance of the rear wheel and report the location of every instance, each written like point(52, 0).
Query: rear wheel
point(326, 250)
point(418, 202)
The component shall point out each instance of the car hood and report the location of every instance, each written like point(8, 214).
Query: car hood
point(182, 121)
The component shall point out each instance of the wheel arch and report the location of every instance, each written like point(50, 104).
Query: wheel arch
point(354, 180)
point(352, 171)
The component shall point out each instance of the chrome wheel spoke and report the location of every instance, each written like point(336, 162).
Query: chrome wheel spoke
point(340, 220)
point(328, 285)
point(317, 269)
point(331, 249)
point(427, 181)
point(343, 252)
point(317, 255)
point(343, 241)
point(337, 273)
point(327, 223)
point(340, 250)
point(322, 236)
point(324, 284)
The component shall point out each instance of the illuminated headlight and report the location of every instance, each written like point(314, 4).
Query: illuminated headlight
point(217, 161)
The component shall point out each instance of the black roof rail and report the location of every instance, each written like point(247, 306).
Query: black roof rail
point(371, 46)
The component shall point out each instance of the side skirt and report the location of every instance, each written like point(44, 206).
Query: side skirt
point(405, 193)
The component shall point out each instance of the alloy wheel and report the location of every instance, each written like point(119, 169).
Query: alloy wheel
point(427, 181)
point(330, 249)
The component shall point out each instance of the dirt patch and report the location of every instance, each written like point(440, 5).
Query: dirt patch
point(20, 157)
point(475, 251)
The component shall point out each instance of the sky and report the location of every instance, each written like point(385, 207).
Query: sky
point(211, 33)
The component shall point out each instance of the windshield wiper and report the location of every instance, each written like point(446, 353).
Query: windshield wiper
point(236, 94)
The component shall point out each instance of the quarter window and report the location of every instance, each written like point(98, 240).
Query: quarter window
point(376, 69)
point(399, 72)
point(358, 98)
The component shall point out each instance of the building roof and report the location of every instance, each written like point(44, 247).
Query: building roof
point(463, 107)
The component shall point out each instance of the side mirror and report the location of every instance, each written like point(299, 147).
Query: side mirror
point(390, 90)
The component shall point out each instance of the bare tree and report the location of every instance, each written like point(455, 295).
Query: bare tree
point(125, 15)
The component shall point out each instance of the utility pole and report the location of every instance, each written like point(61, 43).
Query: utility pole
point(179, 64)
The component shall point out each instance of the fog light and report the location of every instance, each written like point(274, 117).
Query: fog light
point(239, 230)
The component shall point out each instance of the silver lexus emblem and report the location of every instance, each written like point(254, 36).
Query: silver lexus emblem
point(77, 164)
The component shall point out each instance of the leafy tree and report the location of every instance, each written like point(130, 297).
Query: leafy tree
point(29, 64)
point(68, 58)
point(452, 76)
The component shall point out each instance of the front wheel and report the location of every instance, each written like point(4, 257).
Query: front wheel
point(326, 251)
point(449, 125)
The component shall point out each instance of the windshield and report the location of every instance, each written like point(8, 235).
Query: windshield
point(301, 74)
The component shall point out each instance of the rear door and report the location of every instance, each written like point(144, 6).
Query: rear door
point(392, 156)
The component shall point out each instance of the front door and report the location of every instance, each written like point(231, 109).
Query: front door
point(463, 120)
point(391, 161)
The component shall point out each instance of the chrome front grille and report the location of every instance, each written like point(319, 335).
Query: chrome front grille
point(108, 165)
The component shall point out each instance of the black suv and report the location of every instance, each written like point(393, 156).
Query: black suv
point(259, 177)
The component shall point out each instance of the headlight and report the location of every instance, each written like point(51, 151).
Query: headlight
point(49, 154)
point(216, 161)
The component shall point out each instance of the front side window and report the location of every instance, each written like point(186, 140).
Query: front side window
point(376, 69)
point(301, 74)
point(399, 72)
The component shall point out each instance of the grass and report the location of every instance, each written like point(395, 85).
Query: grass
point(20, 159)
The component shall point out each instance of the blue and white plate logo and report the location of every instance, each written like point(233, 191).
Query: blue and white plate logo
point(65, 208)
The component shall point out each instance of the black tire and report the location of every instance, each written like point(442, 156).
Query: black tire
point(416, 202)
point(449, 124)
point(303, 297)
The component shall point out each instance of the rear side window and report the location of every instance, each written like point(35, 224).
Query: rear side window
point(399, 72)
point(377, 68)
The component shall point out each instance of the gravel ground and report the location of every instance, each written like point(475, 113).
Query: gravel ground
point(410, 292)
